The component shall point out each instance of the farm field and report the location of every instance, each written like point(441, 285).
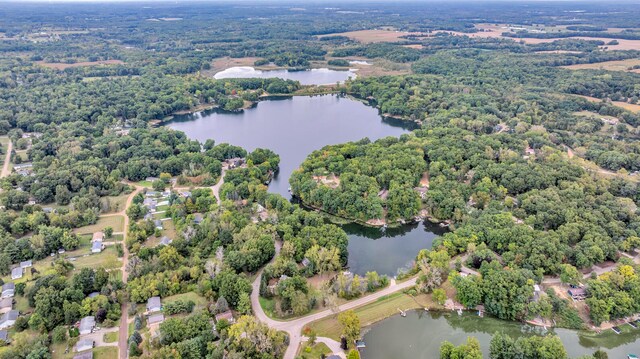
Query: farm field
point(62, 66)
point(621, 65)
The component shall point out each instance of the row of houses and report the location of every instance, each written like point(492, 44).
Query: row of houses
point(18, 272)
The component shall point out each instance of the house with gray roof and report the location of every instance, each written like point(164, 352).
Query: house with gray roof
point(16, 273)
point(158, 224)
point(165, 241)
point(6, 305)
point(4, 336)
point(87, 324)
point(155, 319)
point(26, 264)
point(84, 345)
point(97, 247)
point(85, 355)
point(154, 305)
point(8, 290)
point(9, 319)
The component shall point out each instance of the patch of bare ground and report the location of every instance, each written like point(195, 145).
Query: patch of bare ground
point(620, 65)
point(414, 46)
point(424, 180)
point(371, 36)
point(62, 66)
point(380, 67)
point(331, 180)
point(558, 52)
point(627, 106)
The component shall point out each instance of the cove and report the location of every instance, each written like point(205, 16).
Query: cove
point(305, 77)
point(388, 251)
point(419, 335)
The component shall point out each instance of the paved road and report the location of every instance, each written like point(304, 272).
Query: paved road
point(216, 187)
point(294, 327)
point(7, 161)
point(124, 318)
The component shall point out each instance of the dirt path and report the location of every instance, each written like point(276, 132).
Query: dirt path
point(123, 333)
point(216, 187)
point(7, 161)
point(294, 327)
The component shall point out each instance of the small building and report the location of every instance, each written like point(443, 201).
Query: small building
point(6, 305)
point(26, 264)
point(4, 336)
point(306, 262)
point(48, 210)
point(85, 344)
point(577, 293)
point(97, 237)
point(93, 294)
point(165, 241)
point(154, 304)
point(155, 319)
point(151, 179)
point(148, 217)
point(16, 273)
point(8, 290)
point(149, 202)
point(185, 194)
point(158, 224)
point(97, 247)
point(235, 162)
point(151, 194)
point(9, 319)
point(228, 316)
point(85, 355)
point(197, 218)
point(87, 324)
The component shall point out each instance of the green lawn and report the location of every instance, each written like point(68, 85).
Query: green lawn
point(115, 222)
point(111, 337)
point(116, 203)
point(313, 352)
point(105, 353)
point(144, 184)
point(107, 259)
point(200, 301)
point(382, 308)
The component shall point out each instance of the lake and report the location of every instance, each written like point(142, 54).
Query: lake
point(293, 127)
point(419, 335)
point(390, 250)
point(305, 77)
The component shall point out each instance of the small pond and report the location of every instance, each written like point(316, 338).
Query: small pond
point(305, 77)
point(419, 335)
point(390, 250)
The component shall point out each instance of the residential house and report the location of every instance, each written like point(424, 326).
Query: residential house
point(197, 218)
point(155, 319)
point(85, 355)
point(577, 293)
point(97, 237)
point(6, 305)
point(158, 224)
point(4, 336)
point(87, 324)
point(151, 193)
point(165, 241)
point(94, 294)
point(97, 247)
point(235, 162)
point(26, 264)
point(16, 273)
point(85, 344)
point(9, 319)
point(185, 194)
point(154, 305)
point(8, 290)
point(228, 316)
point(148, 216)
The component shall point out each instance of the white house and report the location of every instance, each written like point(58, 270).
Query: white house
point(97, 247)
point(87, 324)
point(9, 319)
point(154, 305)
point(84, 345)
point(16, 273)
point(8, 290)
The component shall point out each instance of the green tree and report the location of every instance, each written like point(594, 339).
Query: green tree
point(350, 323)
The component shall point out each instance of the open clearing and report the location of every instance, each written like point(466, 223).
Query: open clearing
point(625, 105)
point(62, 66)
point(621, 65)
point(224, 63)
point(116, 222)
point(370, 36)
point(373, 312)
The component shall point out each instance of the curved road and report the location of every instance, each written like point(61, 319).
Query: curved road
point(294, 327)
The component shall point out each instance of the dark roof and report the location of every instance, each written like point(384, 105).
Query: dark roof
point(9, 285)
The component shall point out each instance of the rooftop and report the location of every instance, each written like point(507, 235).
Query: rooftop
point(155, 318)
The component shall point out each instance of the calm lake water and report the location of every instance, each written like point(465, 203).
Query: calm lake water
point(305, 77)
point(388, 251)
point(293, 127)
point(419, 335)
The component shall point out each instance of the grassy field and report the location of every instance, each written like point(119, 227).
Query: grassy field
point(370, 36)
point(116, 203)
point(108, 259)
point(625, 105)
point(621, 65)
point(105, 353)
point(200, 301)
point(313, 352)
point(373, 312)
point(115, 222)
point(111, 337)
point(144, 184)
